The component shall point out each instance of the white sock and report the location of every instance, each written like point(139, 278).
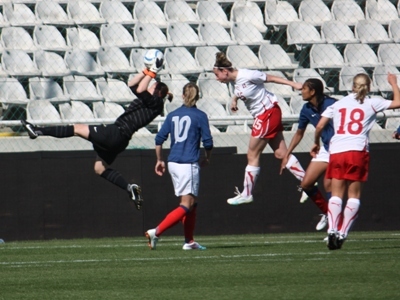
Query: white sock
point(350, 215)
point(294, 167)
point(250, 177)
point(334, 212)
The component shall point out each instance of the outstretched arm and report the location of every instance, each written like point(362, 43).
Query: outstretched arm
point(392, 79)
point(280, 80)
point(142, 81)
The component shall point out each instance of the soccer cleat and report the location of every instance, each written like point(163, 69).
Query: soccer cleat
point(239, 199)
point(193, 246)
point(153, 239)
point(340, 240)
point(326, 239)
point(304, 197)
point(322, 223)
point(30, 128)
point(332, 241)
point(135, 193)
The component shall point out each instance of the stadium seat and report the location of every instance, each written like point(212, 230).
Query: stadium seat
point(114, 90)
point(315, 12)
point(2, 72)
point(116, 35)
point(205, 57)
point(211, 88)
point(178, 60)
point(84, 13)
point(379, 77)
point(83, 39)
point(309, 127)
point(180, 11)
point(242, 112)
point(175, 83)
point(394, 30)
point(248, 11)
point(112, 60)
point(246, 33)
point(337, 32)
point(182, 34)
point(388, 54)
point(42, 110)
point(17, 38)
point(148, 11)
point(80, 88)
point(51, 13)
point(238, 129)
point(371, 32)
point(46, 89)
point(296, 103)
point(3, 21)
point(51, 64)
point(382, 11)
point(286, 111)
point(214, 109)
point(279, 13)
point(107, 110)
point(279, 89)
point(75, 112)
point(273, 57)
point(12, 92)
point(80, 62)
point(19, 14)
point(18, 63)
point(392, 123)
point(211, 11)
point(150, 35)
point(115, 12)
point(347, 11)
point(243, 57)
point(325, 56)
point(360, 55)
point(47, 37)
point(301, 34)
point(214, 34)
point(302, 74)
point(346, 76)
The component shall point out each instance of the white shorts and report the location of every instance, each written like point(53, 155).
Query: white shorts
point(322, 156)
point(185, 177)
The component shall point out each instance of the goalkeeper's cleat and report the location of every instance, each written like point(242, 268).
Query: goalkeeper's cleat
point(153, 239)
point(135, 193)
point(193, 246)
point(30, 128)
point(322, 223)
point(332, 241)
point(239, 199)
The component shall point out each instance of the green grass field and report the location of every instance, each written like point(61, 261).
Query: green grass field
point(273, 266)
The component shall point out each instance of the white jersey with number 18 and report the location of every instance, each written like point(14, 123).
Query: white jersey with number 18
point(353, 121)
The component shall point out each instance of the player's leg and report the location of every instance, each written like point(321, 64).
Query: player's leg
point(54, 131)
point(350, 212)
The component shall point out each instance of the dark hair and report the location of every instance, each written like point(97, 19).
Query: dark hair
point(164, 91)
point(222, 62)
point(318, 86)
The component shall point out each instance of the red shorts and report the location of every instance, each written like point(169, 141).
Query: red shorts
point(350, 165)
point(267, 125)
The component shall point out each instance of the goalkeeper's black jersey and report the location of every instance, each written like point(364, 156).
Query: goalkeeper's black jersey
point(140, 112)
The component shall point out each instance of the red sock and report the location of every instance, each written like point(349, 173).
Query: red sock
point(320, 201)
point(189, 222)
point(171, 219)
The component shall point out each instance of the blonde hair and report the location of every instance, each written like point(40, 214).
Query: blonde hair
point(190, 94)
point(361, 86)
point(222, 62)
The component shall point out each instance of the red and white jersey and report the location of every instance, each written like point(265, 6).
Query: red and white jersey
point(352, 122)
point(249, 87)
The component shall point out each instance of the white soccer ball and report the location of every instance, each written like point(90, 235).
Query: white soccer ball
point(151, 56)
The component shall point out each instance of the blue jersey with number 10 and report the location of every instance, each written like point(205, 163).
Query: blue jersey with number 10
point(187, 126)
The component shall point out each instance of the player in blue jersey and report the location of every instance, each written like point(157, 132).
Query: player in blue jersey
point(313, 93)
point(187, 126)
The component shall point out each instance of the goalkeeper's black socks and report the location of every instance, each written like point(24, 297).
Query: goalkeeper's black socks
point(56, 131)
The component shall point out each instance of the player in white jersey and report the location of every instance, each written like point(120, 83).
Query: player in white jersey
point(267, 126)
point(353, 117)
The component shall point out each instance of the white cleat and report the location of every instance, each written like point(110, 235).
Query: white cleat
point(239, 199)
point(304, 197)
point(153, 239)
point(193, 246)
point(322, 223)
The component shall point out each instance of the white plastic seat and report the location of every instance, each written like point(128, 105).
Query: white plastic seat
point(42, 110)
point(302, 74)
point(243, 57)
point(211, 11)
point(84, 12)
point(273, 57)
point(371, 32)
point(180, 11)
point(149, 12)
point(309, 128)
point(278, 13)
point(392, 123)
point(211, 88)
point(337, 32)
point(82, 38)
point(114, 90)
point(51, 13)
point(241, 112)
point(175, 83)
point(182, 34)
point(314, 12)
point(394, 30)
point(113, 60)
point(150, 35)
point(3, 21)
point(46, 89)
point(80, 88)
point(51, 64)
point(248, 11)
point(346, 76)
point(296, 103)
point(18, 63)
point(75, 112)
point(115, 12)
point(325, 56)
point(205, 57)
point(379, 77)
point(302, 33)
point(279, 89)
point(19, 14)
point(382, 11)
point(214, 34)
point(246, 33)
point(116, 35)
point(47, 37)
point(2, 72)
point(347, 11)
point(12, 92)
point(213, 109)
point(360, 55)
point(388, 54)
point(178, 60)
point(238, 129)
point(171, 106)
point(107, 110)
point(17, 38)
point(286, 111)
point(80, 62)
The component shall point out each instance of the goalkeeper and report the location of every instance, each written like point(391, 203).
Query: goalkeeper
point(110, 140)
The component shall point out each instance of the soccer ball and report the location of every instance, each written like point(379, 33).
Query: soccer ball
point(153, 56)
